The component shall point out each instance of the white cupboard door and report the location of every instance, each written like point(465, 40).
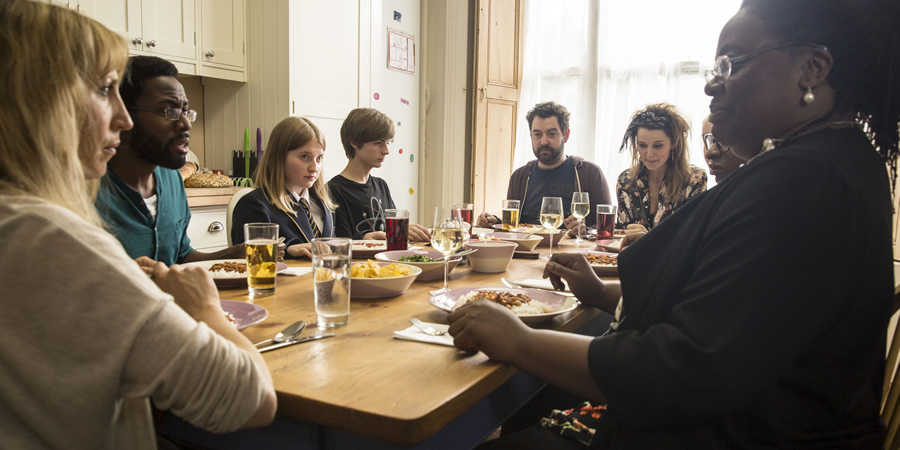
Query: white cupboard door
point(222, 25)
point(169, 28)
point(121, 16)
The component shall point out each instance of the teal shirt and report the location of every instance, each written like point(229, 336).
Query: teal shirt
point(162, 238)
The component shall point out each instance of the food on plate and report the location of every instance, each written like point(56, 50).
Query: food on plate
point(483, 237)
point(369, 245)
point(518, 303)
point(606, 260)
point(229, 266)
point(371, 269)
point(230, 317)
point(619, 232)
point(418, 258)
point(207, 180)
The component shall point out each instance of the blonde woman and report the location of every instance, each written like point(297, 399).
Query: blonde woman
point(290, 189)
point(88, 338)
point(661, 179)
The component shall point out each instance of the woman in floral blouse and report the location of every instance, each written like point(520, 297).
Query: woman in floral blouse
point(660, 179)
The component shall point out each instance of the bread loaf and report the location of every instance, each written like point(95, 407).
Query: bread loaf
point(207, 180)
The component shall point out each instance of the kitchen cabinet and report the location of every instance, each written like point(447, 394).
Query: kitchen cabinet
point(207, 228)
point(170, 29)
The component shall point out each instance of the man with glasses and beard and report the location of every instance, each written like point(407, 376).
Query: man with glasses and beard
point(552, 174)
point(142, 197)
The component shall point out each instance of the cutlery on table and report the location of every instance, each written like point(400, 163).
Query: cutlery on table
point(319, 335)
point(511, 284)
point(425, 328)
point(291, 332)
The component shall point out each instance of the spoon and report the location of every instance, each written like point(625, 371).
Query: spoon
point(292, 331)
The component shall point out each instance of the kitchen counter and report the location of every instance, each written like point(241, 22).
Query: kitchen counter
point(210, 196)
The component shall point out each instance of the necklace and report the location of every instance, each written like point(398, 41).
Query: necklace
point(770, 144)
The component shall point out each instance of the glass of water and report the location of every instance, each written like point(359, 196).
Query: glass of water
point(331, 278)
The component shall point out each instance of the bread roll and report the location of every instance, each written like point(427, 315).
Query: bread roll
point(207, 180)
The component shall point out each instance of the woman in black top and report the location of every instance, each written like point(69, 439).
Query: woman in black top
point(736, 324)
point(290, 190)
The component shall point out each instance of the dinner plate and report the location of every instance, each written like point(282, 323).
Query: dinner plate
point(610, 245)
point(364, 249)
point(479, 230)
point(245, 314)
point(602, 269)
point(560, 303)
point(229, 279)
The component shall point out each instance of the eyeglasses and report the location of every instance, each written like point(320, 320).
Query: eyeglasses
point(171, 112)
point(709, 141)
point(721, 70)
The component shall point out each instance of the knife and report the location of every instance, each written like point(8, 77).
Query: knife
point(296, 341)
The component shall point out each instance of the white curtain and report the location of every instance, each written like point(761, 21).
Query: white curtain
point(605, 59)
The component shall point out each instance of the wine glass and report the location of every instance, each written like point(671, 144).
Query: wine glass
point(447, 237)
point(581, 206)
point(551, 216)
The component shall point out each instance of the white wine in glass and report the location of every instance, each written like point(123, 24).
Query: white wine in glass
point(581, 207)
point(447, 236)
point(551, 216)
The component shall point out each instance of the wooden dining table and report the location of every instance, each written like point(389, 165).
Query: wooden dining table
point(365, 389)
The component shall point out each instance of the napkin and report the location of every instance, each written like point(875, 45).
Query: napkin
point(296, 271)
point(536, 283)
point(414, 334)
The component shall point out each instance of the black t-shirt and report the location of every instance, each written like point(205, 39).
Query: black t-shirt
point(360, 206)
point(556, 182)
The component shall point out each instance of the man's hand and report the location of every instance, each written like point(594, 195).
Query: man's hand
point(577, 272)
point(418, 233)
point(485, 220)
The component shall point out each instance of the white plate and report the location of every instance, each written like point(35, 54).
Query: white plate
point(229, 279)
point(563, 304)
point(603, 269)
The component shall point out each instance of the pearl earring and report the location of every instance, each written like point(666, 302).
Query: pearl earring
point(809, 97)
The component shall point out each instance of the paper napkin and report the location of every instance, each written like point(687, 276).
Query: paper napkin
point(538, 283)
point(296, 271)
point(414, 334)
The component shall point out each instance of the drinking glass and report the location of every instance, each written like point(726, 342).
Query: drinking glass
point(466, 211)
point(331, 280)
point(447, 237)
point(581, 207)
point(261, 246)
point(551, 216)
point(510, 214)
point(606, 221)
point(397, 228)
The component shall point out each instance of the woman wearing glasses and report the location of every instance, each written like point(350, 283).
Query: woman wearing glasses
point(661, 178)
point(736, 324)
point(719, 158)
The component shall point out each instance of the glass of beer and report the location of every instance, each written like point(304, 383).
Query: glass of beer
point(397, 228)
point(606, 221)
point(261, 244)
point(331, 268)
point(510, 214)
point(466, 211)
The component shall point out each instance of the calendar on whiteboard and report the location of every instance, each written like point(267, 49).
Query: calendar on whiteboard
point(401, 51)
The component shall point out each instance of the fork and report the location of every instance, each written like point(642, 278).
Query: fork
point(427, 329)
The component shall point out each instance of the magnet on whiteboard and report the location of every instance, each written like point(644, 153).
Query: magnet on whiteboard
point(411, 191)
point(397, 16)
point(404, 101)
point(411, 159)
point(377, 96)
point(401, 151)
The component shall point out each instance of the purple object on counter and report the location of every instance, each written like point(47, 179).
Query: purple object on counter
point(258, 143)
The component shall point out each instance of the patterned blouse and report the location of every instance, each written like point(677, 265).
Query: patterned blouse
point(634, 197)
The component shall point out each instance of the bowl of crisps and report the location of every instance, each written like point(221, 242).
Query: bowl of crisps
point(372, 279)
point(431, 270)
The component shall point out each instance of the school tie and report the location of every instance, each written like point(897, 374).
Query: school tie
point(312, 222)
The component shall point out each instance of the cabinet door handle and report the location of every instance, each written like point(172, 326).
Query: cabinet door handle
point(210, 54)
point(151, 43)
point(216, 226)
point(137, 41)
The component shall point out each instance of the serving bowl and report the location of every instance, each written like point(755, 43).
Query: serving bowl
point(383, 287)
point(527, 241)
point(492, 256)
point(542, 232)
point(430, 270)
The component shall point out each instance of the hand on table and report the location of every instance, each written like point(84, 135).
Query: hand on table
point(191, 286)
point(488, 327)
point(577, 272)
point(375, 235)
point(572, 223)
point(300, 250)
point(418, 233)
point(633, 232)
point(485, 220)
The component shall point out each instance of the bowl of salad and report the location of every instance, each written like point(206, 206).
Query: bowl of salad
point(428, 260)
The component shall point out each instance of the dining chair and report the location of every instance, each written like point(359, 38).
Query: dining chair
point(890, 407)
point(231, 204)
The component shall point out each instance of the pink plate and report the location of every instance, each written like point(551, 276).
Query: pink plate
point(244, 313)
point(229, 280)
point(367, 249)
